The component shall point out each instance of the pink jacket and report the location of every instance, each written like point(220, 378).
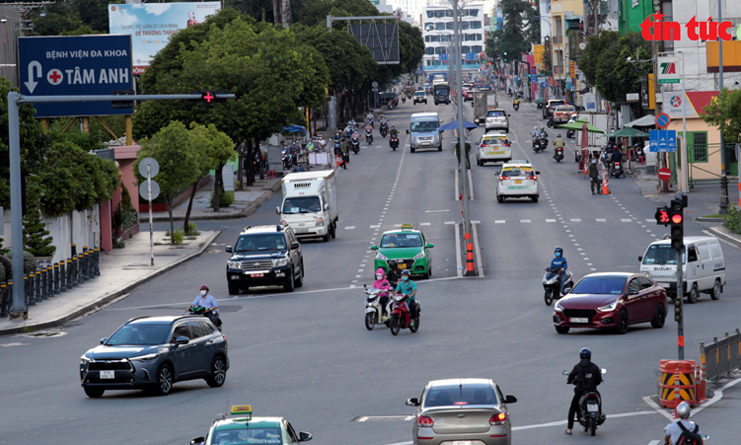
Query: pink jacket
point(383, 283)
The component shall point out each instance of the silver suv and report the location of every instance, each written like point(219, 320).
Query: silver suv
point(155, 352)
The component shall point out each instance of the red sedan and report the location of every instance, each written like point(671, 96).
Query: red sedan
point(467, 96)
point(613, 300)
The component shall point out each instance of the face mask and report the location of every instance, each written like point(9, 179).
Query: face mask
point(203, 293)
point(594, 162)
point(404, 278)
point(558, 254)
point(379, 276)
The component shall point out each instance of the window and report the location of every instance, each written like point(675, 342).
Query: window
point(439, 14)
point(405, 239)
point(430, 50)
point(692, 254)
point(697, 146)
point(252, 243)
point(704, 252)
point(441, 26)
point(197, 329)
point(429, 16)
point(441, 50)
point(446, 38)
point(427, 38)
point(143, 334)
point(471, 395)
point(634, 285)
point(645, 282)
point(434, 38)
point(476, 24)
point(448, 13)
point(181, 330)
point(428, 24)
point(661, 254)
point(603, 285)
point(465, 25)
point(207, 328)
point(301, 204)
point(465, 49)
point(476, 48)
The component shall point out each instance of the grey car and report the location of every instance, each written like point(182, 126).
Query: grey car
point(155, 352)
point(462, 412)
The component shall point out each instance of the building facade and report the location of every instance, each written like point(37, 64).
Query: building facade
point(437, 31)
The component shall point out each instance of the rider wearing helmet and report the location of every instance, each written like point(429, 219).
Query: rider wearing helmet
point(675, 431)
point(207, 301)
point(393, 274)
point(586, 376)
point(393, 132)
point(560, 262)
point(409, 288)
point(558, 142)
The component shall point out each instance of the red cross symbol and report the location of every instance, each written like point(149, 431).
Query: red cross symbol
point(55, 77)
point(208, 96)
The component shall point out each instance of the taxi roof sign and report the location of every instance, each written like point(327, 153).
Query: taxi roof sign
point(406, 226)
point(242, 410)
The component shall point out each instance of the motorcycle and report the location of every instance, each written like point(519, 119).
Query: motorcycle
point(369, 136)
point(552, 284)
point(570, 134)
point(355, 144)
point(516, 106)
point(590, 409)
point(211, 315)
point(394, 142)
point(373, 309)
point(400, 317)
point(338, 148)
point(403, 99)
point(384, 129)
point(540, 144)
point(550, 123)
point(617, 170)
point(559, 154)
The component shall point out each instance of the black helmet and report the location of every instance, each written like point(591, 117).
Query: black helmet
point(558, 250)
point(585, 353)
point(406, 272)
point(392, 264)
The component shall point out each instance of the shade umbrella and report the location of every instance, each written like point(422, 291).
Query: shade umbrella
point(454, 126)
point(584, 145)
point(627, 132)
point(293, 128)
point(577, 125)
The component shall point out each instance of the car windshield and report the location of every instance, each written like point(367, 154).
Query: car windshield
point(516, 172)
point(247, 435)
point(401, 240)
point(600, 285)
point(661, 254)
point(455, 395)
point(422, 126)
point(571, 109)
point(420, 93)
point(555, 103)
point(494, 140)
point(259, 242)
point(303, 204)
point(496, 113)
point(140, 334)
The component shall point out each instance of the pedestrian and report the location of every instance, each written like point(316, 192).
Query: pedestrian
point(344, 154)
point(593, 176)
point(458, 153)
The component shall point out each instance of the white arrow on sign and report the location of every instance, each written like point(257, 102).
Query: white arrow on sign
point(31, 84)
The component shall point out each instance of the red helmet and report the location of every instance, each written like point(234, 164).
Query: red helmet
point(204, 287)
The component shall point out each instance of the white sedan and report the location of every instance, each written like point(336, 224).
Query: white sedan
point(493, 147)
point(517, 179)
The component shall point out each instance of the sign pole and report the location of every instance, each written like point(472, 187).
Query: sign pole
point(151, 228)
point(685, 173)
point(16, 198)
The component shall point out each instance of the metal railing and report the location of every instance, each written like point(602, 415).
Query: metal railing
point(721, 357)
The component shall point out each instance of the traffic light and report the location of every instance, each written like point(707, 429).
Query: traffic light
point(678, 308)
point(119, 104)
point(662, 216)
point(210, 96)
point(677, 224)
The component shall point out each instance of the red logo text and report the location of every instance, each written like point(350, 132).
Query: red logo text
point(707, 30)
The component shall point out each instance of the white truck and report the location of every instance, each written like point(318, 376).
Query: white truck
point(483, 101)
point(310, 203)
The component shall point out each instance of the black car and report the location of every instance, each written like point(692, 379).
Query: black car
point(265, 256)
point(155, 352)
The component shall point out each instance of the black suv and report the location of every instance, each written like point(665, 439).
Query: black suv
point(155, 352)
point(265, 256)
point(550, 106)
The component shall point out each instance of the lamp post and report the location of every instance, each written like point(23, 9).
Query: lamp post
point(723, 175)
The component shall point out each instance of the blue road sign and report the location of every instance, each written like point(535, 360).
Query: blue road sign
point(443, 57)
point(470, 56)
point(75, 65)
point(661, 141)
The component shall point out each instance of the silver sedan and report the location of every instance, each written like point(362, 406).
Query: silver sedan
point(462, 412)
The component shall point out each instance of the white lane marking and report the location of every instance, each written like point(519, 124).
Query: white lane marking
point(499, 221)
point(575, 220)
point(425, 224)
point(550, 220)
point(626, 220)
point(601, 220)
point(475, 222)
point(524, 221)
point(376, 226)
point(349, 227)
point(397, 225)
point(650, 220)
point(654, 442)
point(458, 252)
point(449, 222)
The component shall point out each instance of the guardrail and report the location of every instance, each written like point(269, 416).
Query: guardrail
point(721, 357)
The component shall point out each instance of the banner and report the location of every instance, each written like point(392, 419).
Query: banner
point(668, 67)
point(150, 25)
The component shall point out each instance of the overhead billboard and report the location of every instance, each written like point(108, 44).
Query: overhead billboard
point(150, 25)
point(74, 66)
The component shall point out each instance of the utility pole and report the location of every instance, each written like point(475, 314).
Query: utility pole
point(723, 175)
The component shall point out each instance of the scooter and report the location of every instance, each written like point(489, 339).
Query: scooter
point(540, 144)
point(369, 136)
point(400, 317)
point(403, 99)
point(590, 410)
point(559, 154)
point(384, 129)
point(552, 284)
point(355, 144)
point(516, 106)
point(394, 142)
point(211, 315)
point(617, 170)
point(373, 309)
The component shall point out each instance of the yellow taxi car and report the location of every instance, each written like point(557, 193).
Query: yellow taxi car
point(493, 147)
point(239, 427)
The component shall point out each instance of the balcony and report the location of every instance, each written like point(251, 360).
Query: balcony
point(557, 40)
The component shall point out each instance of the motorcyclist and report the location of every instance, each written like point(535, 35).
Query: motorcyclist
point(558, 143)
point(383, 284)
point(394, 132)
point(206, 300)
point(617, 156)
point(535, 134)
point(369, 118)
point(543, 134)
point(383, 120)
point(351, 123)
point(409, 288)
point(675, 430)
point(560, 262)
point(586, 376)
point(393, 274)
point(321, 143)
point(368, 128)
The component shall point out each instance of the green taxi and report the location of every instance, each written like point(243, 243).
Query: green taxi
point(239, 427)
point(408, 248)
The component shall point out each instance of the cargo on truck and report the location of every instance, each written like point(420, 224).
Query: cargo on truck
point(309, 204)
point(483, 101)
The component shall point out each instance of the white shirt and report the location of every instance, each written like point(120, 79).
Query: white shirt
point(674, 431)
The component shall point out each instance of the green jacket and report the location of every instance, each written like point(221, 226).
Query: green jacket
point(593, 173)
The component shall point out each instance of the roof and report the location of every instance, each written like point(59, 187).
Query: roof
point(610, 274)
point(308, 175)
point(157, 319)
point(516, 163)
point(687, 239)
point(423, 115)
point(648, 120)
point(456, 382)
point(401, 230)
point(262, 229)
point(233, 422)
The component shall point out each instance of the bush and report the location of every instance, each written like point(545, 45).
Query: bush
point(192, 229)
point(733, 220)
point(225, 199)
point(179, 236)
point(6, 267)
point(29, 262)
point(2, 274)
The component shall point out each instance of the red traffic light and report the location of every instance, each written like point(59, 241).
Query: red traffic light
point(662, 216)
point(207, 96)
point(676, 219)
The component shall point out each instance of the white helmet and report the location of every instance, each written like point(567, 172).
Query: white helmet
point(683, 410)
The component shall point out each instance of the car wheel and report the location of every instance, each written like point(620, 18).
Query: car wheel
point(534, 198)
point(479, 163)
point(164, 380)
point(562, 329)
point(500, 199)
point(333, 229)
point(411, 149)
point(289, 285)
point(415, 328)
point(426, 275)
point(233, 289)
point(218, 373)
point(325, 238)
point(715, 293)
point(659, 317)
point(394, 324)
point(94, 393)
point(440, 148)
point(300, 280)
point(623, 322)
point(694, 294)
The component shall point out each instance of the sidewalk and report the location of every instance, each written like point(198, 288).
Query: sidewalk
point(245, 203)
point(120, 271)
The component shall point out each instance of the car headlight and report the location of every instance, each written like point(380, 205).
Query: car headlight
point(609, 308)
point(435, 137)
point(234, 265)
point(144, 358)
point(320, 222)
point(558, 307)
point(415, 139)
point(85, 359)
point(419, 255)
point(280, 262)
point(381, 256)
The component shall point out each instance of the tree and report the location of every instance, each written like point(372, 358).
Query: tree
point(35, 236)
point(724, 112)
point(216, 149)
point(173, 149)
point(517, 35)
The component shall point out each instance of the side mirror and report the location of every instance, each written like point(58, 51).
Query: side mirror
point(633, 292)
point(566, 290)
point(198, 441)
point(326, 206)
point(537, 172)
point(228, 249)
point(412, 402)
point(429, 245)
point(374, 247)
point(510, 399)
point(303, 436)
point(477, 144)
point(407, 131)
point(182, 341)
point(496, 173)
point(295, 246)
point(277, 210)
point(103, 340)
point(640, 258)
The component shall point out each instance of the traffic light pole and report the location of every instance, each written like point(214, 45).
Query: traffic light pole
point(15, 99)
point(678, 301)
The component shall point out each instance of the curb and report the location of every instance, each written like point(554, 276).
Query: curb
point(110, 297)
point(720, 233)
point(715, 220)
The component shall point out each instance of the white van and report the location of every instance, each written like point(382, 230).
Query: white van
point(423, 128)
point(703, 266)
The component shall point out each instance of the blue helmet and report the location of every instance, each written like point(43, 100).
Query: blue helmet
point(585, 353)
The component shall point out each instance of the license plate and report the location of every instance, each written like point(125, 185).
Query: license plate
point(301, 231)
point(462, 442)
point(518, 181)
point(664, 285)
point(495, 152)
point(107, 374)
point(592, 408)
point(402, 265)
point(257, 275)
point(579, 320)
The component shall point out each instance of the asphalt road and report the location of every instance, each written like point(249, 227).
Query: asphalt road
point(308, 357)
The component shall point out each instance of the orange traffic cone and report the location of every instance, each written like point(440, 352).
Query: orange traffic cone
point(605, 187)
point(337, 157)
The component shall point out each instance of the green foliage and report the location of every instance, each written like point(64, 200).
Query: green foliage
point(6, 266)
point(29, 262)
point(192, 229)
point(724, 112)
point(521, 28)
point(604, 63)
point(72, 17)
point(733, 220)
point(225, 199)
point(35, 236)
point(3, 250)
point(214, 146)
point(178, 236)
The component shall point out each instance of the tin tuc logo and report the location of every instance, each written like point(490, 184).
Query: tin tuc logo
point(707, 30)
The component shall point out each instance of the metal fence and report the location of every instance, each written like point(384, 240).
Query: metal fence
point(721, 357)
